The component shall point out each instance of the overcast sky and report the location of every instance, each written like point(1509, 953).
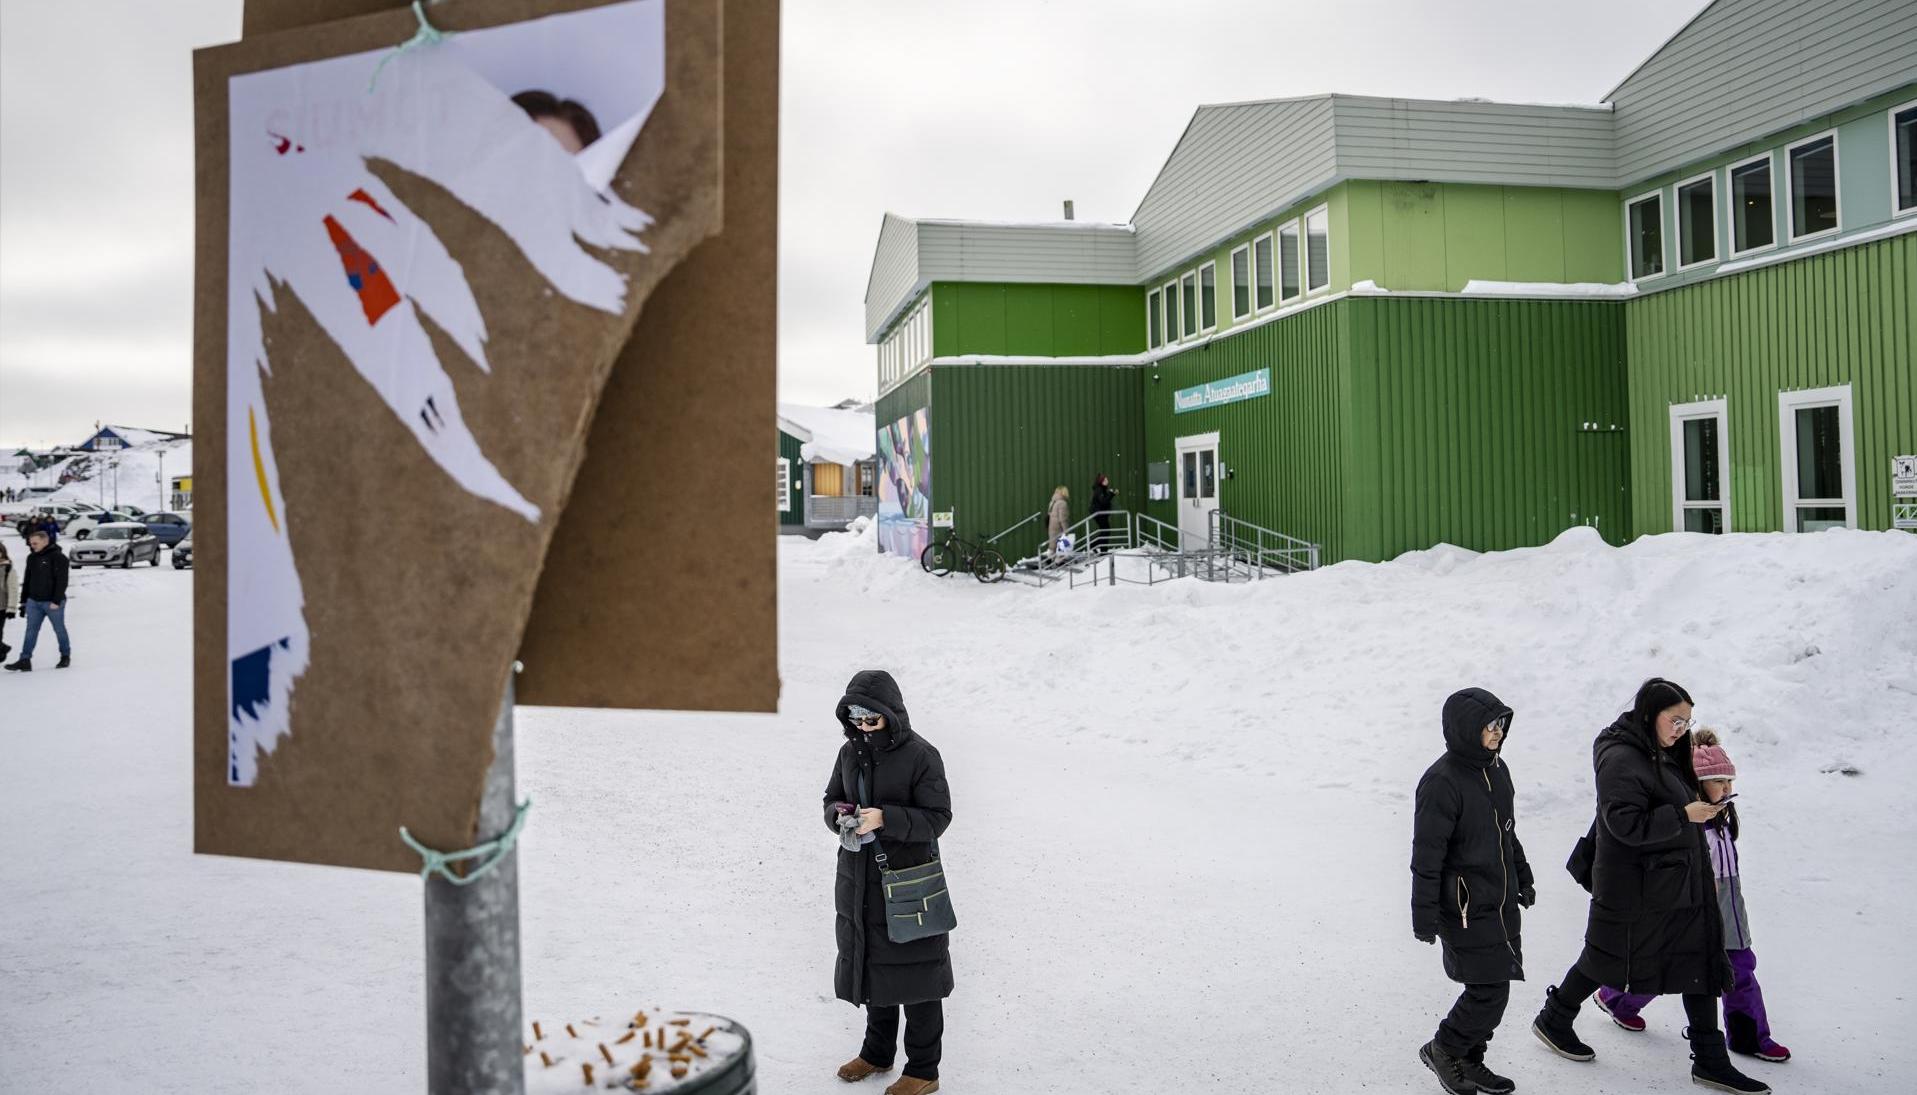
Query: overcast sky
point(957, 108)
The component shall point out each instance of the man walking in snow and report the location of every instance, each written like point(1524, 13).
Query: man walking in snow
point(1469, 878)
point(43, 596)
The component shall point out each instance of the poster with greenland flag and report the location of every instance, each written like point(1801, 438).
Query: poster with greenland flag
point(432, 253)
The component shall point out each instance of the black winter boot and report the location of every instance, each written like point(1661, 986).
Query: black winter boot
point(1711, 1065)
point(1488, 1082)
point(1448, 1069)
point(1553, 1028)
point(65, 660)
point(21, 666)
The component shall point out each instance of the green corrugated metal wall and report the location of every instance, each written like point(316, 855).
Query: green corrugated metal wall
point(789, 449)
point(1284, 448)
point(1004, 436)
point(1480, 426)
point(1847, 316)
point(1039, 320)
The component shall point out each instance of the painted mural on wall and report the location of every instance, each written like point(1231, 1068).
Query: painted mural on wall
point(905, 484)
point(308, 214)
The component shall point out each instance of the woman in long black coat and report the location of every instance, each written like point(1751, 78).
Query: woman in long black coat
point(893, 782)
point(1654, 926)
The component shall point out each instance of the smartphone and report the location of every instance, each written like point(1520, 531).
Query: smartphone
point(844, 807)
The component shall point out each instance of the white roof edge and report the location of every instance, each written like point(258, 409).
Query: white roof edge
point(921, 285)
point(1662, 46)
point(957, 222)
point(1595, 108)
point(787, 426)
point(1336, 177)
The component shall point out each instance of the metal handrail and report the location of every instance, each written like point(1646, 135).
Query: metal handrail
point(1007, 532)
point(1260, 549)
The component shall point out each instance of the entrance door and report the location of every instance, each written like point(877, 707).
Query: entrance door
point(1197, 489)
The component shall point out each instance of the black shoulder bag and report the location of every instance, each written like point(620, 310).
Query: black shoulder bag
point(917, 903)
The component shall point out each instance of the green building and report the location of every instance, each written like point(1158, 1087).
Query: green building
point(826, 474)
point(1380, 324)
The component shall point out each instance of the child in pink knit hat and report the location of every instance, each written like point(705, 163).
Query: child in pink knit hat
point(1746, 1027)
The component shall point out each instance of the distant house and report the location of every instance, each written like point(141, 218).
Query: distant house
point(827, 472)
point(111, 438)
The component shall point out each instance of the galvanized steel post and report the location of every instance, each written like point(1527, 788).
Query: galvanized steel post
point(473, 1017)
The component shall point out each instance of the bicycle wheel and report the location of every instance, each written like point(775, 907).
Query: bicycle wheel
point(938, 558)
point(988, 566)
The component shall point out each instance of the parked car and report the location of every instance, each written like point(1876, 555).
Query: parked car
point(120, 544)
point(183, 553)
point(74, 522)
point(171, 528)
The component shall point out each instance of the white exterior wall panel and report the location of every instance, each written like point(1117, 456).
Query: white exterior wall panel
point(1746, 69)
point(1502, 143)
point(895, 273)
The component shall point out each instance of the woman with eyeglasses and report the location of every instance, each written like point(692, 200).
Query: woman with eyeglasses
point(887, 794)
point(1654, 925)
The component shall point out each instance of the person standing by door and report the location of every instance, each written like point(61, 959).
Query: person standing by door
point(43, 596)
point(1103, 496)
point(888, 785)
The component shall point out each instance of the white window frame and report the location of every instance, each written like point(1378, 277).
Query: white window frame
point(1173, 332)
point(1630, 244)
point(1692, 412)
point(1836, 183)
point(1270, 239)
point(1278, 257)
point(1188, 330)
point(1200, 272)
point(1154, 317)
point(1677, 217)
point(1890, 124)
point(1304, 250)
point(1251, 289)
point(1788, 404)
point(1769, 160)
point(784, 497)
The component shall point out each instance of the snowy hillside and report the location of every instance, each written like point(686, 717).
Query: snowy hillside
point(127, 477)
point(1179, 854)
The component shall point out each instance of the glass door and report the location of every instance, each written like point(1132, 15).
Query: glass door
point(1197, 489)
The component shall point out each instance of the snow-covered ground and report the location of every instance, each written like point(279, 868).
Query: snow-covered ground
point(1179, 854)
point(139, 476)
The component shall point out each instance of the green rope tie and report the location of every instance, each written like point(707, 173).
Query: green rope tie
point(426, 35)
point(498, 848)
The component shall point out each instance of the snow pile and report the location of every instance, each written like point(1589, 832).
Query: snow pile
point(832, 436)
point(1224, 773)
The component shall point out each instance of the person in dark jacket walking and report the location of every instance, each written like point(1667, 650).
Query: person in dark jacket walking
point(893, 781)
point(1654, 925)
point(1469, 878)
point(43, 596)
point(1103, 496)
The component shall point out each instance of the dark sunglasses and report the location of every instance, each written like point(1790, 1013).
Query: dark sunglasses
point(865, 720)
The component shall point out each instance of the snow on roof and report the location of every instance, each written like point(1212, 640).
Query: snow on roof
point(830, 436)
point(136, 437)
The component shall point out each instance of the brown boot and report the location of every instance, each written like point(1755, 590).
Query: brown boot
point(912, 1085)
point(858, 1068)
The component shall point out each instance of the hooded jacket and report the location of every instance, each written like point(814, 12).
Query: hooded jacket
point(1467, 866)
point(902, 775)
point(1654, 925)
point(44, 576)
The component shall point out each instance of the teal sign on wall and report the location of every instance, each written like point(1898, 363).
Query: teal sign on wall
point(1232, 389)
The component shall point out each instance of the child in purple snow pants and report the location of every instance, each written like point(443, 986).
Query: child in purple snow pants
point(1746, 1027)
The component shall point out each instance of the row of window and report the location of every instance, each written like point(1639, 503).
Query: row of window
point(829, 482)
point(1278, 267)
point(1814, 432)
point(907, 347)
point(1811, 204)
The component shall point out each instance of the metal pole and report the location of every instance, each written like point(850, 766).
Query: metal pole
point(473, 1016)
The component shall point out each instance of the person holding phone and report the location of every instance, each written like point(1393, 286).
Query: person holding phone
point(1746, 1024)
point(1654, 925)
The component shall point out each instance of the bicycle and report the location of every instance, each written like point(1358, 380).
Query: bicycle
point(942, 557)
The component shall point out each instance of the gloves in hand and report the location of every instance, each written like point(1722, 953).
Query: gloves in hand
point(849, 832)
point(1527, 896)
point(1424, 936)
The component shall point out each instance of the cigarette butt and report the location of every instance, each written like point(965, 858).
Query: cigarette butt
point(537, 1033)
point(645, 1066)
point(707, 1033)
point(648, 1039)
point(586, 1066)
point(682, 1022)
point(639, 1019)
point(679, 1071)
point(588, 1022)
point(695, 1049)
point(571, 1031)
point(630, 1035)
point(546, 1057)
point(526, 1052)
point(684, 1041)
point(678, 1058)
point(606, 1053)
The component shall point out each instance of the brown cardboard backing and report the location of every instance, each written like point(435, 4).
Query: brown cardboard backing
point(660, 589)
point(416, 592)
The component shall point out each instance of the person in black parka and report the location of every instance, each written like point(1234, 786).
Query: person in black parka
point(1104, 496)
point(1654, 925)
point(894, 781)
point(1469, 878)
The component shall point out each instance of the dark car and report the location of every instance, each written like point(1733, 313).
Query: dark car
point(116, 545)
point(183, 553)
point(169, 528)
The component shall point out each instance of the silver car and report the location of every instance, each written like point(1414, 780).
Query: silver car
point(119, 544)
